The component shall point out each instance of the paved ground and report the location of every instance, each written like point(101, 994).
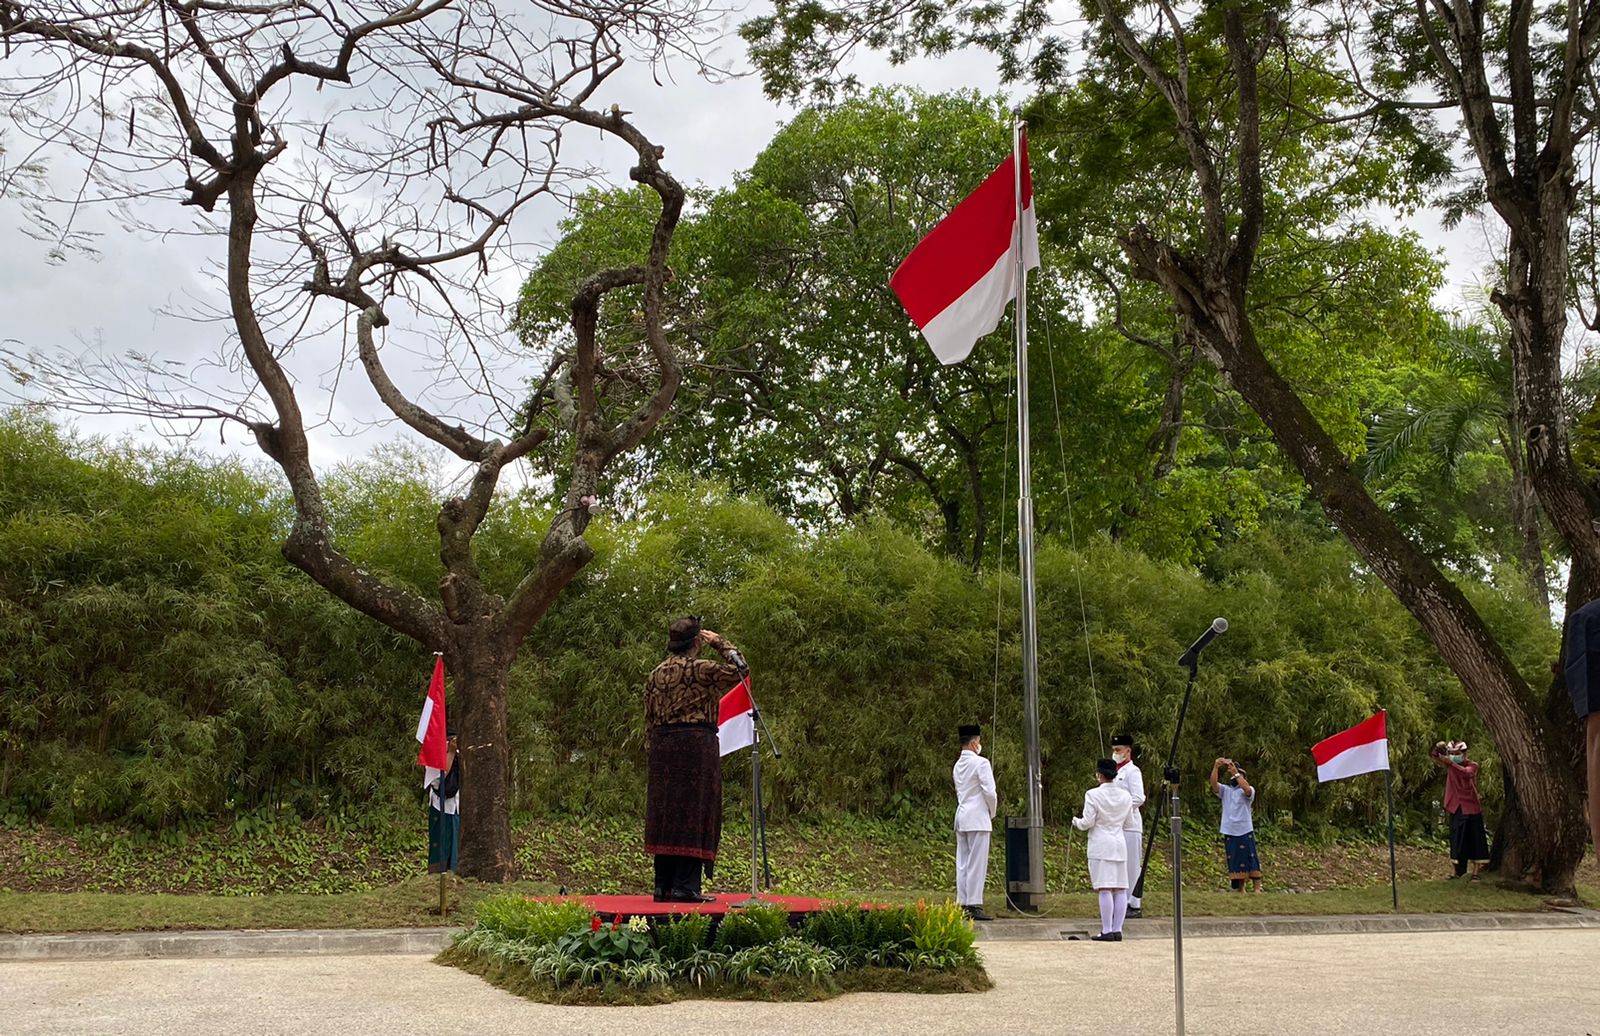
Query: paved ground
point(1456, 982)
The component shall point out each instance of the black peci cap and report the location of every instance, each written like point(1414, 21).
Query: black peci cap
point(1121, 741)
point(968, 731)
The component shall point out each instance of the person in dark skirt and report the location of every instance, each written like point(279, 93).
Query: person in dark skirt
point(444, 808)
point(1469, 842)
point(683, 803)
point(1238, 825)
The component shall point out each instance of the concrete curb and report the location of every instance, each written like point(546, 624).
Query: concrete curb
point(253, 943)
point(1234, 927)
point(375, 941)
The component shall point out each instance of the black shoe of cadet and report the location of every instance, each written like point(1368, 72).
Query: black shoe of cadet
point(977, 914)
point(1106, 937)
point(1135, 912)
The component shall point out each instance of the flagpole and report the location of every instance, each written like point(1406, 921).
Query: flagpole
point(1030, 651)
point(1394, 884)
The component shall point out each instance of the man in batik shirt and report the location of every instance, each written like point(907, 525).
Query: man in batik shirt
point(683, 805)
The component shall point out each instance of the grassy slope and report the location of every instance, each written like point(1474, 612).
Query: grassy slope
point(294, 875)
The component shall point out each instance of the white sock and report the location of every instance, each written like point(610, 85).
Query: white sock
point(1119, 908)
point(1107, 910)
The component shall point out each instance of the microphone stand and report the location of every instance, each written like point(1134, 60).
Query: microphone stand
point(1173, 778)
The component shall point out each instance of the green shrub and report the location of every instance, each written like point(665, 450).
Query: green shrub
point(864, 935)
point(614, 943)
point(682, 937)
point(756, 925)
point(526, 920)
point(787, 957)
point(942, 936)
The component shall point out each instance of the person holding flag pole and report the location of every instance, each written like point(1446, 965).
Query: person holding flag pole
point(441, 778)
point(1364, 748)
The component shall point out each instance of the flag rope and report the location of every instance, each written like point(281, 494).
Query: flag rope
point(1072, 531)
point(1005, 482)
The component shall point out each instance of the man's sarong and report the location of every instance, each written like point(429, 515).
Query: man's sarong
point(683, 806)
point(444, 840)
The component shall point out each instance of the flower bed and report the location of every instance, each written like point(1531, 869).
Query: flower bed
point(560, 952)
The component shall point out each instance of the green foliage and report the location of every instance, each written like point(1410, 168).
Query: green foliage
point(614, 944)
point(864, 935)
point(682, 937)
point(942, 936)
point(758, 924)
point(782, 958)
point(527, 920)
point(171, 668)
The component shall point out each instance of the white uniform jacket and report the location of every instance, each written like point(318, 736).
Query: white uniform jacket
point(1129, 777)
point(1105, 810)
point(976, 801)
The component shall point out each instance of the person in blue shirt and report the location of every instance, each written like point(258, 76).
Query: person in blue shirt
point(1238, 829)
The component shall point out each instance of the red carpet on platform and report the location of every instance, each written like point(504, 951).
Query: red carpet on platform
point(624, 907)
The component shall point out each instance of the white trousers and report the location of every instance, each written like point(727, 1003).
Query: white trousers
point(1135, 841)
point(972, 866)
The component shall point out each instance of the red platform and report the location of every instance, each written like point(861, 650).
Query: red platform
point(624, 907)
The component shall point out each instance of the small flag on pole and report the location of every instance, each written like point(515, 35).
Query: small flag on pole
point(431, 727)
point(955, 284)
point(1364, 748)
point(736, 722)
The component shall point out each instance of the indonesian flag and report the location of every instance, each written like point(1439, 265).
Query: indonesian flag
point(955, 284)
point(431, 727)
point(1361, 749)
point(736, 724)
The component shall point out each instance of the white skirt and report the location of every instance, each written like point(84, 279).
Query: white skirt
point(1108, 874)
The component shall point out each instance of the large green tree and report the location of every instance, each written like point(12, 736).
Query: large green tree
point(808, 384)
point(1240, 85)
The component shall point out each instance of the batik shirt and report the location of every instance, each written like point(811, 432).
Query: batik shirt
point(688, 690)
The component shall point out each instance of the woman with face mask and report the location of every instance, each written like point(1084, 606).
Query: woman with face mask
point(1469, 843)
point(1129, 778)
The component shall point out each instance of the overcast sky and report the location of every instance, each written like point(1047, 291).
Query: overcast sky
point(710, 132)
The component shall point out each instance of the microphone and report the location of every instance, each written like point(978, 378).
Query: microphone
point(1192, 656)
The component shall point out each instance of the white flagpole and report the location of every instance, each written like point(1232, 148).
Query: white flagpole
point(1034, 887)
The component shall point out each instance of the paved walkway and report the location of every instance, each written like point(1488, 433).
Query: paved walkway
point(339, 942)
point(1456, 982)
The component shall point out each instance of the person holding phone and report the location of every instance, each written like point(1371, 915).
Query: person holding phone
point(1238, 825)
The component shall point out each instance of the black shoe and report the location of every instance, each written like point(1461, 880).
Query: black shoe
point(977, 914)
point(1106, 937)
point(1135, 912)
point(677, 896)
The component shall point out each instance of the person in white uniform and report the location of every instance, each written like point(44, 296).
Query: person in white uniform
point(1129, 777)
point(1105, 811)
point(976, 803)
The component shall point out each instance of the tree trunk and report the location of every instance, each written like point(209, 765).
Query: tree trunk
point(1525, 518)
point(1546, 787)
point(480, 716)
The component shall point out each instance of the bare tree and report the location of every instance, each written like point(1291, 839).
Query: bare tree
point(1208, 282)
point(362, 163)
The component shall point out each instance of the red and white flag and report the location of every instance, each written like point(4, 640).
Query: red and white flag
point(431, 727)
point(1363, 748)
point(955, 284)
point(736, 722)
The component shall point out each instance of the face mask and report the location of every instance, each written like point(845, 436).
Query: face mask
point(1457, 759)
point(1233, 782)
point(1119, 756)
